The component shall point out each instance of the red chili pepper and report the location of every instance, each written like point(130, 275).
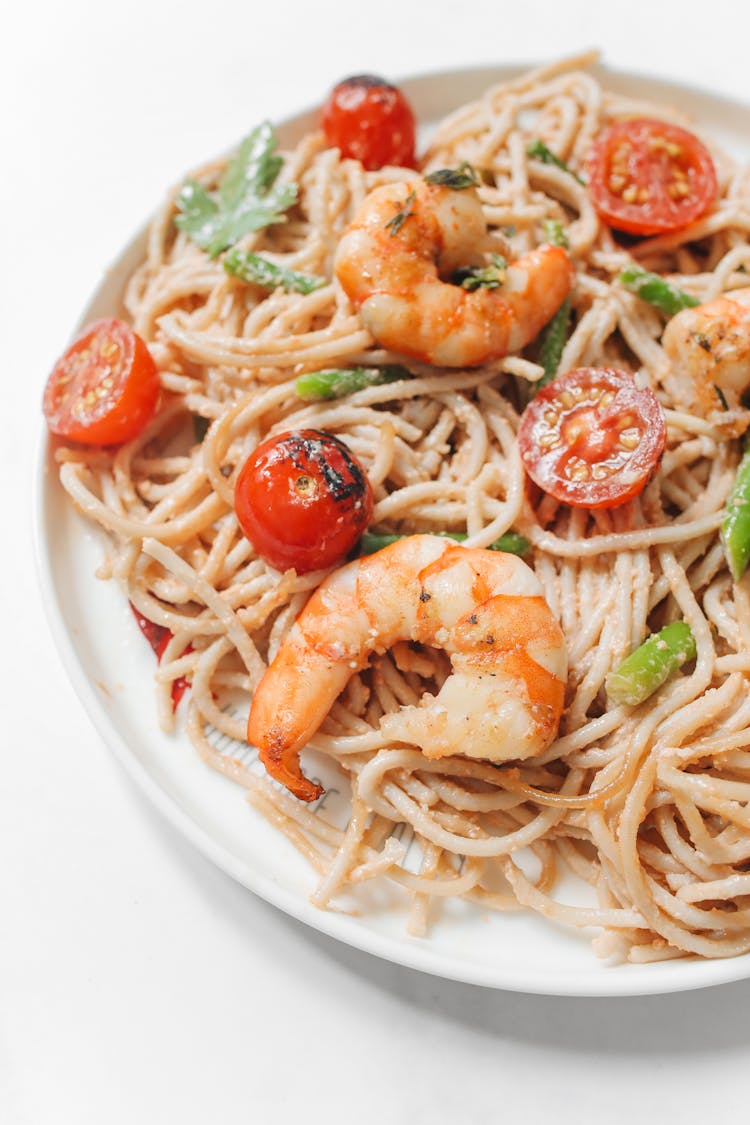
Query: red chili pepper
point(158, 636)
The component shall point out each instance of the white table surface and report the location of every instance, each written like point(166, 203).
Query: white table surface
point(137, 982)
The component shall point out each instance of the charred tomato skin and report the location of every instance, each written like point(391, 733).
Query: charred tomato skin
point(370, 120)
point(303, 500)
point(592, 438)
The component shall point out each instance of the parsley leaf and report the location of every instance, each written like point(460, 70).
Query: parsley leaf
point(482, 277)
point(248, 197)
point(260, 271)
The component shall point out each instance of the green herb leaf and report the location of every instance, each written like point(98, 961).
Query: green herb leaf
point(538, 150)
point(257, 270)
point(482, 277)
point(393, 226)
point(248, 197)
point(457, 179)
point(318, 386)
point(659, 292)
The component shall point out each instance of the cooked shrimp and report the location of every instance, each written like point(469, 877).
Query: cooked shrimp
point(709, 349)
point(503, 698)
point(405, 239)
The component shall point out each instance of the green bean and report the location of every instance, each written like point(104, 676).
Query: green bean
point(553, 337)
point(735, 525)
point(317, 386)
point(261, 271)
point(200, 427)
point(552, 344)
point(659, 292)
point(645, 670)
point(511, 542)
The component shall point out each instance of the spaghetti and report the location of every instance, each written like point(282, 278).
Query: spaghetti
point(648, 805)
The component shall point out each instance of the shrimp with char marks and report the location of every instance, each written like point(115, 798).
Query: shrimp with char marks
point(503, 698)
point(393, 261)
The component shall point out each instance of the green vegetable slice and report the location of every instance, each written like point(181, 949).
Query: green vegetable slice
point(645, 670)
point(554, 335)
point(735, 524)
point(248, 197)
point(657, 291)
point(457, 179)
point(318, 386)
point(552, 342)
point(257, 270)
point(511, 542)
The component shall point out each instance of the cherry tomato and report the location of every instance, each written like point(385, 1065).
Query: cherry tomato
point(104, 389)
point(592, 438)
point(371, 121)
point(648, 177)
point(302, 500)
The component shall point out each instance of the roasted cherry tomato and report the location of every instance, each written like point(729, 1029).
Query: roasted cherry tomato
point(104, 389)
point(371, 121)
point(647, 176)
point(302, 500)
point(592, 438)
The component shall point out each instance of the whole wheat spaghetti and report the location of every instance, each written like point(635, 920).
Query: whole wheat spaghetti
point(649, 805)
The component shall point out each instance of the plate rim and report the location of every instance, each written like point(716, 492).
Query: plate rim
point(602, 981)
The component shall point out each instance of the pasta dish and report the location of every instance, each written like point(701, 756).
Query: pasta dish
point(509, 371)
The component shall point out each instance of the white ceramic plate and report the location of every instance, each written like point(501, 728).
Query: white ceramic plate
point(112, 671)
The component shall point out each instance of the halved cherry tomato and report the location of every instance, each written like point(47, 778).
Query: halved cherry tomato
point(303, 500)
point(371, 121)
point(648, 177)
point(104, 389)
point(592, 438)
